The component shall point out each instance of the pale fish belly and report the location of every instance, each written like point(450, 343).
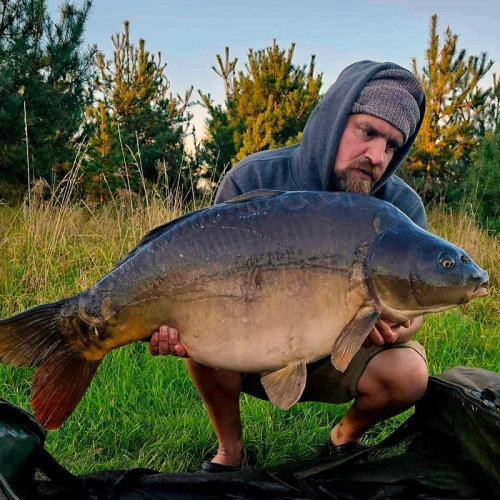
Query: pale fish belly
point(265, 321)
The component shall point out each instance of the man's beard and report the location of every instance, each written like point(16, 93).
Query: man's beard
point(347, 180)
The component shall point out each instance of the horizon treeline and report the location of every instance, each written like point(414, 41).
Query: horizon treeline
point(64, 107)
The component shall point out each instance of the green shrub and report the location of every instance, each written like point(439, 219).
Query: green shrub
point(482, 182)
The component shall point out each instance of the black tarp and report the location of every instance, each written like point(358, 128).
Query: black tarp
point(449, 449)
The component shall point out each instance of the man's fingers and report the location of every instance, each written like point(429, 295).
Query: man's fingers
point(388, 334)
point(176, 348)
point(385, 332)
point(153, 344)
point(407, 323)
point(180, 351)
point(168, 338)
point(163, 347)
point(166, 341)
point(375, 337)
point(173, 340)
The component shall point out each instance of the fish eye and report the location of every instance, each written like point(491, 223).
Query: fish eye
point(446, 261)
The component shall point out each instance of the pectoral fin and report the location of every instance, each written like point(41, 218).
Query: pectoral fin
point(353, 336)
point(284, 387)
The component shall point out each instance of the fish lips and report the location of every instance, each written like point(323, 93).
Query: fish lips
point(480, 290)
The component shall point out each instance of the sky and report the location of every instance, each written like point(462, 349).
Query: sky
point(189, 33)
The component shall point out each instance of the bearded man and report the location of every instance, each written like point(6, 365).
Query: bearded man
point(354, 140)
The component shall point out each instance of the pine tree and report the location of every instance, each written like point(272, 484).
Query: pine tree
point(103, 155)
point(482, 181)
point(44, 68)
point(493, 112)
point(136, 122)
point(456, 111)
point(266, 106)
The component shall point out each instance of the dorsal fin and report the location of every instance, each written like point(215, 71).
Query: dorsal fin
point(154, 233)
point(257, 193)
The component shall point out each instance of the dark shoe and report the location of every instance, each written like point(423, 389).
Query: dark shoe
point(339, 452)
point(214, 468)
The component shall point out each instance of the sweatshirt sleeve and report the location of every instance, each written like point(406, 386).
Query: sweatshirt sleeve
point(227, 189)
point(402, 196)
point(417, 215)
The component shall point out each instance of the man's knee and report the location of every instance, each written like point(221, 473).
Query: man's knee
point(397, 375)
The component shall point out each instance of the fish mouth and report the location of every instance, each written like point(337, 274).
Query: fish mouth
point(480, 290)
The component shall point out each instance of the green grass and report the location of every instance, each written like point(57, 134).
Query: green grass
point(142, 411)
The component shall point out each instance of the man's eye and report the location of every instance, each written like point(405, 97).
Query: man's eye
point(391, 148)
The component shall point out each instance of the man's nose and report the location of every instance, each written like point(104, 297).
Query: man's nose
point(376, 152)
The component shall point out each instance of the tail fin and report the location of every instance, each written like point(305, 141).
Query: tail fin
point(34, 338)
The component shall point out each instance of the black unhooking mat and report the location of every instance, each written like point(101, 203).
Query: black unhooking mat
point(449, 449)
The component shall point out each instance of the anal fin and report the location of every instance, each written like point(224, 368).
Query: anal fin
point(59, 384)
point(352, 337)
point(284, 387)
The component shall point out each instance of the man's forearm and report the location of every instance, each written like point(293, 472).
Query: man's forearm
point(406, 334)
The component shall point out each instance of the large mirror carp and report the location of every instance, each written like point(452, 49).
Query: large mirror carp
point(265, 283)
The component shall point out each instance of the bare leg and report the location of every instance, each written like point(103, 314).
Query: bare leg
point(220, 391)
point(393, 381)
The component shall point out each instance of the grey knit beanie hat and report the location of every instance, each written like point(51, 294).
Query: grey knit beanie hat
point(395, 95)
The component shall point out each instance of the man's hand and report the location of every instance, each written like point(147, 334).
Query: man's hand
point(388, 332)
point(166, 341)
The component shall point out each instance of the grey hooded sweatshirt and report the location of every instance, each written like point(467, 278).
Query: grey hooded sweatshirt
point(308, 166)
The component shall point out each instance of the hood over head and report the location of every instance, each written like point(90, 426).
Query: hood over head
point(385, 90)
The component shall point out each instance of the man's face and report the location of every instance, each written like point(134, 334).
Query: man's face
point(366, 148)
